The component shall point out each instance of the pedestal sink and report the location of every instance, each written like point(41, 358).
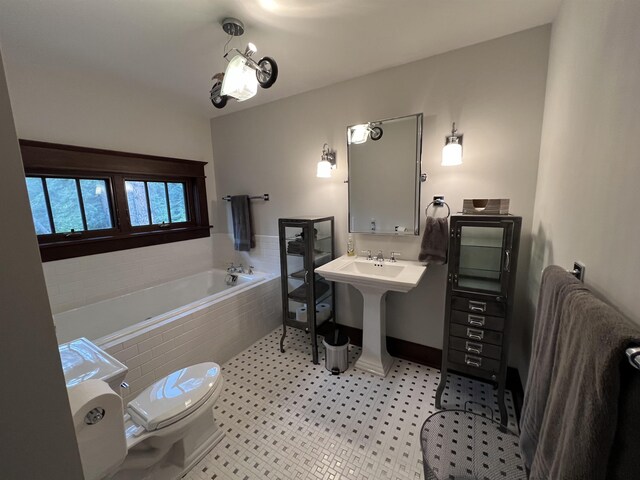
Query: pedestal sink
point(374, 279)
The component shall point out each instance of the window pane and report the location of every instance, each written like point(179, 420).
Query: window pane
point(177, 202)
point(38, 206)
point(137, 199)
point(96, 204)
point(158, 202)
point(65, 205)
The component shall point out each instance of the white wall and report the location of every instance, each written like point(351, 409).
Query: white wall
point(493, 90)
point(36, 431)
point(63, 105)
point(587, 199)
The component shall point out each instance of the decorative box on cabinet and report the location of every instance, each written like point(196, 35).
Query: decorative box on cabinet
point(306, 243)
point(483, 257)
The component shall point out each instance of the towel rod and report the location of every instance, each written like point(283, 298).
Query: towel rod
point(264, 196)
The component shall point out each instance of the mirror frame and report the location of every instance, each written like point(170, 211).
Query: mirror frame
point(418, 175)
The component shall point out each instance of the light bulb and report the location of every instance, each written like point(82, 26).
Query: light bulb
point(452, 154)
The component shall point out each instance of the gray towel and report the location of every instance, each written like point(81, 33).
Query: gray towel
point(435, 241)
point(556, 284)
point(244, 240)
point(579, 436)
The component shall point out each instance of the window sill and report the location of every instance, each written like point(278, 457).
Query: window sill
point(90, 246)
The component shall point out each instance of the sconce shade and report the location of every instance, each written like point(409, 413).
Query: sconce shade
point(324, 169)
point(452, 151)
point(240, 81)
point(452, 154)
point(359, 133)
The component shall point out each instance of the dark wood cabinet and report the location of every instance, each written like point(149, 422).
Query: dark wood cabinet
point(483, 258)
point(308, 300)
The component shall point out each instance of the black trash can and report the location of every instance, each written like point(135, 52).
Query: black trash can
point(336, 358)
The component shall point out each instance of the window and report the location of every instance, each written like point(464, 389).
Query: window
point(156, 203)
point(86, 201)
point(69, 205)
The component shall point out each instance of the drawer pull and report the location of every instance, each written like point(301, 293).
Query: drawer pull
point(474, 334)
point(473, 347)
point(476, 306)
point(473, 361)
point(476, 320)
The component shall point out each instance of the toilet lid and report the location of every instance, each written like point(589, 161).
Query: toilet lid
point(175, 396)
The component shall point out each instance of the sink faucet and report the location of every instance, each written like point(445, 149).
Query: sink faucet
point(368, 252)
point(379, 257)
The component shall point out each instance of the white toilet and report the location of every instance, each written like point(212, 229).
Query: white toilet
point(164, 431)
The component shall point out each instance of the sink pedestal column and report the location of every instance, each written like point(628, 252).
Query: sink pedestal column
point(375, 358)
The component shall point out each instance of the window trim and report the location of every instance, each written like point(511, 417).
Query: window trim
point(50, 159)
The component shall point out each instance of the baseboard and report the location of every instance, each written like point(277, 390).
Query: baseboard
point(432, 357)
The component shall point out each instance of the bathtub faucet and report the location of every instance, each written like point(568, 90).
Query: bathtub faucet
point(234, 268)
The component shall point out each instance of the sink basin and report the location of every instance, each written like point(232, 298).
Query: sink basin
point(368, 268)
point(400, 276)
point(374, 280)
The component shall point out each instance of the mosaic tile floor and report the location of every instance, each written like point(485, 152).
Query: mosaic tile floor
point(286, 418)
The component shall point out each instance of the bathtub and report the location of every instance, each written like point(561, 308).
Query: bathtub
point(160, 329)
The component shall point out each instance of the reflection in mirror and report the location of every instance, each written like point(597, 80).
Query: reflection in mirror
point(384, 176)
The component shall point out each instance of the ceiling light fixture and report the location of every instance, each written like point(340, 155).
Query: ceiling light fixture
point(243, 74)
point(327, 162)
point(452, 151)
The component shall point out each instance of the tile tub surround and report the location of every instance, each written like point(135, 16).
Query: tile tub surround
point(83, 280)
point(285, 418)
point(265, 257)
point(213, 332)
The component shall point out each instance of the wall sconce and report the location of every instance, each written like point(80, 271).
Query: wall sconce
point(452, 151)
point(360, 133)
point(327, 162)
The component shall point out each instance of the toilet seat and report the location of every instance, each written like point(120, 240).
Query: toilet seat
point(174, 397)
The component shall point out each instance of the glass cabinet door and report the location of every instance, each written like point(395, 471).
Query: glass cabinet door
point(480, 256)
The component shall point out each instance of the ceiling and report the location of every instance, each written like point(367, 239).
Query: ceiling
point(176, 46)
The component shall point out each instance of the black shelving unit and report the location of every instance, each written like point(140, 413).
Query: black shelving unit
point(483, 257)
point(306, 243)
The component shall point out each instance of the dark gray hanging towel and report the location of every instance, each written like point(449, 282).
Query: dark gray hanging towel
point(579, 438)
point(556, 284)
point(243, 237)
point(435, 241)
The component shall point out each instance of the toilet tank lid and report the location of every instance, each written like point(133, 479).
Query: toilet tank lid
point(175, 396)
point(83, 360)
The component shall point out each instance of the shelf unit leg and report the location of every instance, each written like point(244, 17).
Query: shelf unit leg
point(440, 390)
point(501, 405)
point(284, 334)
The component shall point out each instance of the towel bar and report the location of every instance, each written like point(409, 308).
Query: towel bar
point(264, 196)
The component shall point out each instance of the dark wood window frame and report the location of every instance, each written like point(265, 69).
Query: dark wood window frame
point(56, 160)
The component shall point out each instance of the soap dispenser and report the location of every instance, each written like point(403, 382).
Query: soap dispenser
point(351, 248)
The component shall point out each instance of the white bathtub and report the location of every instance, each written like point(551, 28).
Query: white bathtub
point(159, 329)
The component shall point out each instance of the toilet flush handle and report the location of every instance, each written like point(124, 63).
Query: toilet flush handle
point(124, 385)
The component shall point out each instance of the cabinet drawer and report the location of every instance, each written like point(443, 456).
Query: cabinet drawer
point(480, 307)
point(474, 361)
point(477, 320)
point(475, 348)
point(476, 334)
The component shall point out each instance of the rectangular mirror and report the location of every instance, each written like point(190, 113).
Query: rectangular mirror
point(384, 176)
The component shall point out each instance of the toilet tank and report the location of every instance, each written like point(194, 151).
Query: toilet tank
point(83, 360)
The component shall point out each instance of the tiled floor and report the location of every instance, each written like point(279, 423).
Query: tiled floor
point(286, 418)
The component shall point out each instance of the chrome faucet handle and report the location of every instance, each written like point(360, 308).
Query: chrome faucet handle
point(394, 255)
point(368, 252)
point(250, 270)
point(231, 267)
